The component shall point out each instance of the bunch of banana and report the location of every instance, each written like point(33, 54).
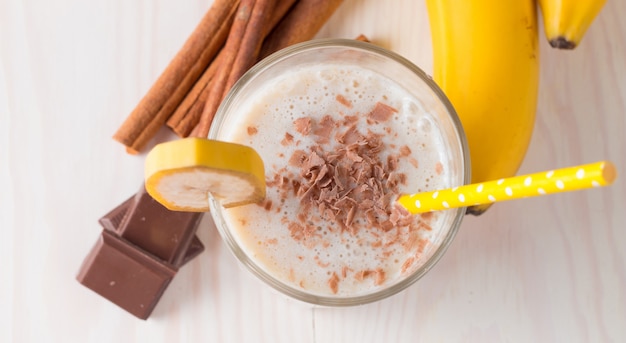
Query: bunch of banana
point(486, 62)
point(565, 21)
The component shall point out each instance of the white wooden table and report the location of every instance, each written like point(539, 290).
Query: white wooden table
point(538, 270)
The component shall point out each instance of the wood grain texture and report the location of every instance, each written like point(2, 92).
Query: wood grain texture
point(550, 269)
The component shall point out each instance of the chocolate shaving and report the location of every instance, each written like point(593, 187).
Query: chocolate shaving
point(333, 283)
point(303, 126)
point(287, 140)
point(313, 160)
point(350, 136)
point(382, 112)
point(438, 168)
point(342, 100)
point(405, 151)
point(298, 158)
point(324, 128)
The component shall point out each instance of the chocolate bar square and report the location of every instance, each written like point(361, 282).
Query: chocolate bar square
point(194, 249)
point(143, 233)
point(164, 233)
point(127, 276)
point(112, 220)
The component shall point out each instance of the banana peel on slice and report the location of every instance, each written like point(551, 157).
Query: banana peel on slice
point(180, 174)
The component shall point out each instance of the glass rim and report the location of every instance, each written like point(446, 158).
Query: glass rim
point(340, 301)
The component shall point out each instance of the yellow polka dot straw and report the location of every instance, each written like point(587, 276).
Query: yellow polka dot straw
point(549, 182)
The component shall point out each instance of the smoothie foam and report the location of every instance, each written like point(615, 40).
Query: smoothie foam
point(344, 119)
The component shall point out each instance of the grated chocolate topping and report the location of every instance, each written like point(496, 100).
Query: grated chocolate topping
point(351, 184)
point(350, 177)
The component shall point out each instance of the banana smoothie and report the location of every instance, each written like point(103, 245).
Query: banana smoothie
point(340, 143)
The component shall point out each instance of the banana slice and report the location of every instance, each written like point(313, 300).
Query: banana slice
point(180, 174)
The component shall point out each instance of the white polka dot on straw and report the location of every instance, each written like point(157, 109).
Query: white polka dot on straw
point(418, 204)
point(595, 183)
point(541, 191)
point(528, 181)
point(549, 174)
point(445, 204)
point(559, 184)
point(501, 181)
point(435, 195)
point(491, 198)
point(479, 188)
point(580, 173)
point(461, 197)
point(508, 191)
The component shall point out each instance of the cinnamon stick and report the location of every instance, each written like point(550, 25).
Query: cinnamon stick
point(302, 23)
point(188, 113)
point(251, 43)
point(233, 43)
point(178, 77)
point(240, 40)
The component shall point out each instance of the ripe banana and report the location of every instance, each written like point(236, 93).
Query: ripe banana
point(565, 21)
point(486, 61)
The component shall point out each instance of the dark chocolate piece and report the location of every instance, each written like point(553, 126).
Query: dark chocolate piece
point(113, 220)
point(139, 252)
point(164, 233)
point(127, 276)
point(194, 249)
